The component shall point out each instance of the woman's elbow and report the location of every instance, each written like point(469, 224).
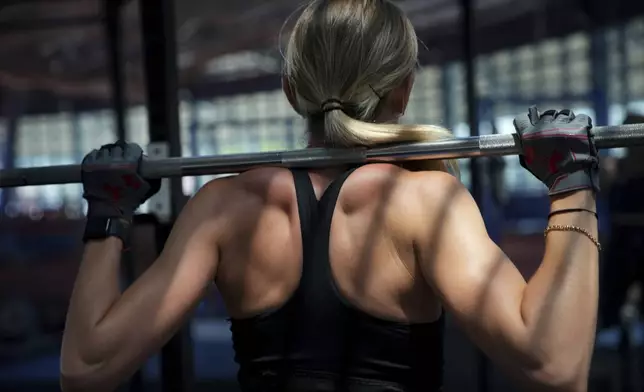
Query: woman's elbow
point(558, 377)
point(73, 384)
point(78, 383)
point(80, 377)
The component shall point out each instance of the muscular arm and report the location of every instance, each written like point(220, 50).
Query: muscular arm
point(109, 334)
point(541, 331)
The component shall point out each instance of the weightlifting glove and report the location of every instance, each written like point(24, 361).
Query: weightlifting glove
point(114, 189)
point(558, 149)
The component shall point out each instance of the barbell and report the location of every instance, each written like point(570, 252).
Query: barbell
point(466, 147)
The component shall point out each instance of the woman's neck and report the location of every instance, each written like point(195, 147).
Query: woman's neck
point(316, 134)
point(315, 128)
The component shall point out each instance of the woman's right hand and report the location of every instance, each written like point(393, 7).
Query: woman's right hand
point(558, 149)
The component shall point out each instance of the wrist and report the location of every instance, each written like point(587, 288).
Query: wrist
point(111, 242)
point(584, 198)
point(100, 228)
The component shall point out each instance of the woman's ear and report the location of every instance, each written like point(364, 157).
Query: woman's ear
point(406, 87)
point(398, 98)
point(288, 91)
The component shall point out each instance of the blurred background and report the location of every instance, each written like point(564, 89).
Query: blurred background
point(59, 98)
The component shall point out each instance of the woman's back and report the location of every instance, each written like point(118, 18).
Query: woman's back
point(293, 275)
point(329, 292)
point(308, 283)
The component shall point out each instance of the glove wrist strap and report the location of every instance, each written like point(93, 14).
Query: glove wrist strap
point(101, 228)
point(583, 179)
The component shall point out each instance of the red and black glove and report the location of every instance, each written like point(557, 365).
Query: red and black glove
point(114, 188)
point(558, 149)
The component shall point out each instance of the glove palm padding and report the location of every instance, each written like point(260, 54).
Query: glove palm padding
point(112, 184)
point(559, 150)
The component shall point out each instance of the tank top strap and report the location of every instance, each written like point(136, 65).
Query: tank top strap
point(331, 194)
point(316, 216)
point(324, 284)
point(307, 207)
point(318, 268)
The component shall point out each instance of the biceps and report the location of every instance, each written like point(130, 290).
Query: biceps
point(483, 290)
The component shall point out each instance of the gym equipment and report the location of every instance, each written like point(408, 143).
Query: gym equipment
point(486, 145)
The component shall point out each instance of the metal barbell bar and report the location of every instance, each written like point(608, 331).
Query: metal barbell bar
point(487, 145)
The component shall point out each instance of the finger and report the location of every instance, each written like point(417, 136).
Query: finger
point(533, 115)
point(583, 119)
point(522, 122)
point(104, 153)
point(548, 116)
point(91, 157)
point(564, 116)
point(116, 152)
point(133, 151)
point(107, 146)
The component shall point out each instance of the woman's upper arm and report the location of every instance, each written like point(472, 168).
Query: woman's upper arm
point(474, 279)
point(159, 302)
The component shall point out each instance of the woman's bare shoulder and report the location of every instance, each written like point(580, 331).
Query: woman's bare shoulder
point(401, 189)
point(268, 185)
point(390, 177)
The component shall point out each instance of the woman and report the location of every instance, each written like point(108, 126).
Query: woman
point(338, 278)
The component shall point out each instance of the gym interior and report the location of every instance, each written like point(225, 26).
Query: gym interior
point(202, 78)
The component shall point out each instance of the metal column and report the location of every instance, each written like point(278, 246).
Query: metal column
point(160, 64)
point(599, 75)
point(193, 131)
point(112, 11)
point(469, 52)
point(467, 15)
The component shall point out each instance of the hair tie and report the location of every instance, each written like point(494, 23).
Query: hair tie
point(331, 104)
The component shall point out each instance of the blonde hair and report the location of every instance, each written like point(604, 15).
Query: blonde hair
point(342, 59)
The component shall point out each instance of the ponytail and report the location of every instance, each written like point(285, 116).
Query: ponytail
point(342, 130)
point(342, 60)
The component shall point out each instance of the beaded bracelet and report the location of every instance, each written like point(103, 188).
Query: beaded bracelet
point(575, 229)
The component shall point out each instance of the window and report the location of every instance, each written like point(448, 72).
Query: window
point(239, 124)
point(48, 140)
point(426, 101)
point(137, 126)
point(508, 81)
point(526, 75)
point(616, 47)
point(634, 34)
point(501, 70)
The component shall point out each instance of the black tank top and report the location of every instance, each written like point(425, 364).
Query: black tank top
point(318, 341)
